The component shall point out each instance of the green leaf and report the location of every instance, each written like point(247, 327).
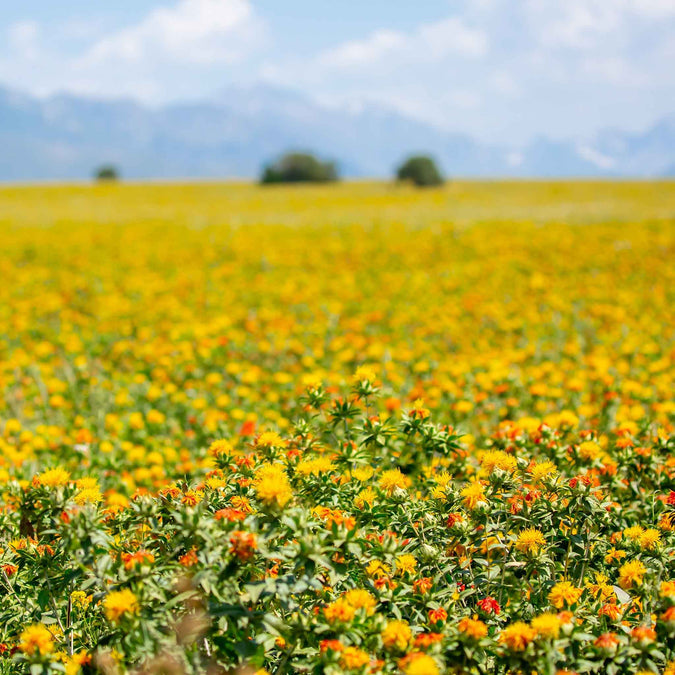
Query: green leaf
point(43, 598)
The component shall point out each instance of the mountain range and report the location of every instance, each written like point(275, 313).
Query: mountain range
point(66, 136)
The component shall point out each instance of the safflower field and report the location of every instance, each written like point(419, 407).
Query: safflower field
point(346, 429)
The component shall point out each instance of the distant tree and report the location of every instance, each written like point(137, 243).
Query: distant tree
point(299, 167)
point(107, 172)
point(420, 170)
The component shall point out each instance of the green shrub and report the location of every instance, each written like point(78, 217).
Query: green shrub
point(107, 172)
point(298, 167)
point(421, 170)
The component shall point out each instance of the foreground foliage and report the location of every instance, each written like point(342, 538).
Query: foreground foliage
point(390, 448)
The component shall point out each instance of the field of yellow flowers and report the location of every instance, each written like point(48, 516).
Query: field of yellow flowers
point(350, 429)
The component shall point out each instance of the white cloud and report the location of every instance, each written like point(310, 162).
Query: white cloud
point(594, 157)
point(613, 70)
point(452, 36)
point(515, 159)
point(418, 72)
point(430, 42)
point(192, 31)
point(166, 55)
point(507, 68)
point(653, 9)
point(464, 98)
point(504, 83)
point(495, 68)
point(359, 52)
point(579, 24)
point(23, 39)
point(585, 24)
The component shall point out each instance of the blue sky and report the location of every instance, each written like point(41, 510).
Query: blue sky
point(498, 69)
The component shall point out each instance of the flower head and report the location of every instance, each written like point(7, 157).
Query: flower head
point(498, 459)
point(564, 593)
point(473, 494)
point(396, 635)
point(406, 564)
point(517, 636)
point(339, 611)
point(220, 447)
point(649, 539)
point(36, 639)
point(365, 498)
point(643, 634)
point(353, 658)
point(437, 615)
point(315, 466)
point(530, 541)
point(88, 496)
point(589, 450)
point(243, 545)
point(418, 410)
point(272, 486)
point(607, 642)
point(547, 625)
point(53, 477)
point(364, 374)
point(119, 604)
point(472, 628)
point(270, 439)
point(631, 573)
point(489, 605)
point(418, 663)
point(392, 479)
point(542, 470)
point(80, 599)
point(359, 598)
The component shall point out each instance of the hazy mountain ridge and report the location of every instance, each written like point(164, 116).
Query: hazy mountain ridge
point(67, 136)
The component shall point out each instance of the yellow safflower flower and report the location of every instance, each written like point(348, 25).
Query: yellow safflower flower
point(36, 639)
point(396, 635)
point(564, 593)
point(118, 604)
point(392, 479)
point(530, 541)
point(53, 477)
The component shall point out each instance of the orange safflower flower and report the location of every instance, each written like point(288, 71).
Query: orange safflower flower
point(243, 544)
point(188, 559)
point(422, 586)
point(610, 610)
point(607, 642)
point(437, 615)
point(138, 558)
point(517, 636)
point(472, 628)
point(426, 640)
point(643, 634)
point(230, 515)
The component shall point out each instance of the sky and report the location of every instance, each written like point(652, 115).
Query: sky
point(497, 69)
